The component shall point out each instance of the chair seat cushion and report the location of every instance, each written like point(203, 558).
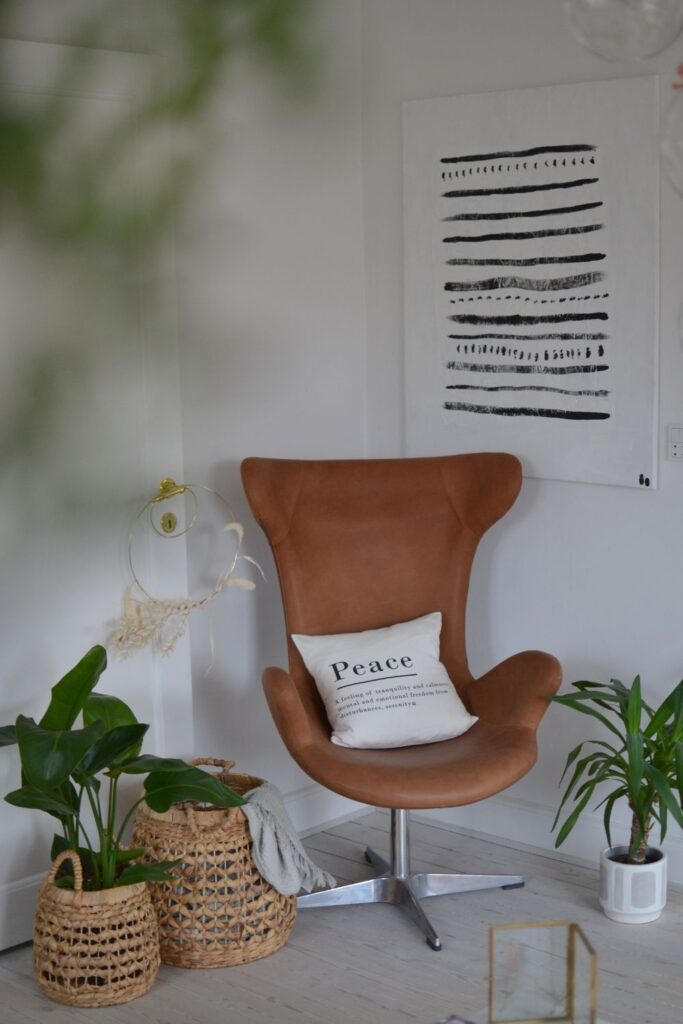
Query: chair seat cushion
point(386, 688)
point(482, 762)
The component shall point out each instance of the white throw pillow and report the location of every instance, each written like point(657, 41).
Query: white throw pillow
point(386, 687)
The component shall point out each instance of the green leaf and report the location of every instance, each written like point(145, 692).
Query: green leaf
point(607, 814)
point(49, 757)
point(64, 882)
point(663, 817)
point(149, 763)
point(678, 755)
point(572, 819)
point(159, 871)
point(59, 844)
point(634, 707)
point(30, 796)
point(586, 684)
point(165, 788)
point(578, 772)
point(636, 764)
point(110, 710)
point(571, 757)
point(572, 701)
point(110, 751)
point(664, 793)
point(678, 713)
point(123, 856)
point(663, 712)
point(8, 736)
point(71, 692)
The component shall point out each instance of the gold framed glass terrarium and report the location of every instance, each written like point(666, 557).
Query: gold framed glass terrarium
point(543, 972)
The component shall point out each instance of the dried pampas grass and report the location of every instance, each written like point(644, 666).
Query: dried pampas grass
point(151, 620)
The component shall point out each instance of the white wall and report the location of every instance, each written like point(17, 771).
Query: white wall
point(589, 573)
point(85, 387)
point(273, 332)
point(275, 341)
point(290, 289)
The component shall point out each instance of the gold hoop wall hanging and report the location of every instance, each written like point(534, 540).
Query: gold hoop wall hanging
point(149, 619)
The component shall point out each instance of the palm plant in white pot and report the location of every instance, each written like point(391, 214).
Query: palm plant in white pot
point(642, 763)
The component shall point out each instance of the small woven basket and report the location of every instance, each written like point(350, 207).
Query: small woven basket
point(218, 911)
point(94, 948)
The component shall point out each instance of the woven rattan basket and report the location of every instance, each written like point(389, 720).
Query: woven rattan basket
point(218, 911)
point(94, 948)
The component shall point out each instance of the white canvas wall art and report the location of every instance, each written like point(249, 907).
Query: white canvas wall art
point(531, 287)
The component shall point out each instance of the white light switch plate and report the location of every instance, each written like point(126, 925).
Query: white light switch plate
point(674, 448)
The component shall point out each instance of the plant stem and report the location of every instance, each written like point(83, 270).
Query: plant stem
point(125, 822)
point(639, 840)
point(95, 862)
point(94, 802)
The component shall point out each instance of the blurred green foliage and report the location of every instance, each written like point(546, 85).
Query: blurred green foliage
point(196, 43)
point(86, 198)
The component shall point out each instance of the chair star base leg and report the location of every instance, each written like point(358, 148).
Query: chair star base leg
point(405, 892)
point(385, 889)
point(398, 885)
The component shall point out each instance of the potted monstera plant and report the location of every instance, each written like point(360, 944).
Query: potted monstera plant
point(640, 761)
point(95, 937)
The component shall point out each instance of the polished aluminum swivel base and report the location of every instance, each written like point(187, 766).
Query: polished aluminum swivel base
point(398, 885)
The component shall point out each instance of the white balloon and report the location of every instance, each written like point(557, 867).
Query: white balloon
point(625, 29)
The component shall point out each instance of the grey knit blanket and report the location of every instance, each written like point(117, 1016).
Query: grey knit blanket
point(278, 853)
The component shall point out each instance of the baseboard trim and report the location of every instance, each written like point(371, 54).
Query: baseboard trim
point(312, 807)
point(506, 818)
point(17, 906)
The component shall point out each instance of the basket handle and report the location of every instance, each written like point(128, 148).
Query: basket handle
point(57, 863)
point(216, 762)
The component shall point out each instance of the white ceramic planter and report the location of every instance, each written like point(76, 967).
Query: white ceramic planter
point(632, 893)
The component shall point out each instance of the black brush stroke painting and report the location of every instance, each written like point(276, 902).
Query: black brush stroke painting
point(518, 154)
point(528, 261)
point(520, 410)
point(519, 190)
point(506, 360)
point(513, 214)
point(516, 236)
point(534, 284)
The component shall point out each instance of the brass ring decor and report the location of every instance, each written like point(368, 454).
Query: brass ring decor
point(147, 618)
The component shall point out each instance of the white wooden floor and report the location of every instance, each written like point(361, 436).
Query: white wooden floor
point(369, 965)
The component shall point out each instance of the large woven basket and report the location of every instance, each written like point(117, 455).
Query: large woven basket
point(218, 911)
point(94, 948)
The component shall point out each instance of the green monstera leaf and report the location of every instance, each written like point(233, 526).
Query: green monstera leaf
point(48, 757)
point(165, 788)
point(111, 751)
point(29, 796)
point(110, 710)
point(70, 693)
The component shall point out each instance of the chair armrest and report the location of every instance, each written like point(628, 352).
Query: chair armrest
point(516, 692)
point(297, 718)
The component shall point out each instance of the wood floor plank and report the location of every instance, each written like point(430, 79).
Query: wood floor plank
point(370, 965)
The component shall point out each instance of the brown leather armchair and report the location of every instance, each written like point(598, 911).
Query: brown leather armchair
point(361, 544)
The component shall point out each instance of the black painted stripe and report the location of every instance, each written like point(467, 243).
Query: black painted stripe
point(587, 392)
point(491, 336)
point(526, 213)
point(518, 318)
point(510, 190)
point(589, 257)
point(514, 153)
point(504, 236)
point(522, 368)
point(533, 284)
point(558, 414)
